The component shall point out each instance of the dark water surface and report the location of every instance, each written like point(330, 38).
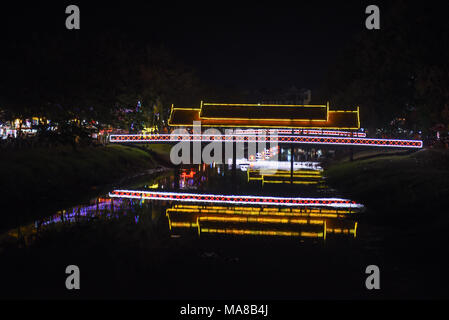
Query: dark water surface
point(175, 249)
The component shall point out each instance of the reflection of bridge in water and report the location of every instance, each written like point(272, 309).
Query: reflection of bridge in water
point(235, 199)
point(284, 176)
point(218, 214)
point(254, 215)
point(308, 222)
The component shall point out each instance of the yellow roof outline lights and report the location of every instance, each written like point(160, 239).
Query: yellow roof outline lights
point(173, 108)
point(262, 105)
point(171, 115)
point(358, 117)
point(265, 126)
point(186, 108)
point(236, 105)
point(333, 120)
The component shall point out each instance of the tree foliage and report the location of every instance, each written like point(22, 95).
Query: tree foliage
point(92, 77)
point(401, 70)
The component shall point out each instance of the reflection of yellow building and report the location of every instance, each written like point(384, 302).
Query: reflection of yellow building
point(291, 222)
point(284, 176)
point(150, 130)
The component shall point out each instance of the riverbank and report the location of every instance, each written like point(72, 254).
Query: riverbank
point(406, 217)
point(33, 179)
point(396, 185)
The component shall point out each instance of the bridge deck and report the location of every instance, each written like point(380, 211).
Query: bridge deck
point(280, 139)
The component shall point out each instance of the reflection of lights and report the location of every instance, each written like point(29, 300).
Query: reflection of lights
point(278, 212)
point(344, 231)
point(281, 165)
point(264, 181)
point(235, 199)
point(298, 175)
point(206, 218)
point(182, 225)
point(260, 220)
point(277, 176)
point(184, 174)
point(84, 211)
point(284, 172)
point(263, 232)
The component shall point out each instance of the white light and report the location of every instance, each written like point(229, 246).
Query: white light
point(236, 199)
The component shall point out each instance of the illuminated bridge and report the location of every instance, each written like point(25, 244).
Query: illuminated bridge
point(235, 199)
point(267, 123)
point(279, 139)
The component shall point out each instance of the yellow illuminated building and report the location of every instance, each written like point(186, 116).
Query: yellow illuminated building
point(265, 116)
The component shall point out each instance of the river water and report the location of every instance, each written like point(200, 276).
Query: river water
point(212, 249)
point(259, 179)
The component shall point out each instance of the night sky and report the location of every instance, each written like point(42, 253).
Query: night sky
point(229, 44)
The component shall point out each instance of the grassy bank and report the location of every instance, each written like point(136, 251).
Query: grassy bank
point(406, 198)
point(160, 152)
point(394, 185)
point(32, 179)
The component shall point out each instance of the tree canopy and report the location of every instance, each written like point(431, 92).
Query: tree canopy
point(401, 70)
point(92, 77)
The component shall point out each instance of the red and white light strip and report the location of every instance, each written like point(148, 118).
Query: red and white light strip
point(394, 143)
point(235, 199)
point(302, 131)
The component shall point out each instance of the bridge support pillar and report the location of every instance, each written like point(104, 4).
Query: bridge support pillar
point(234, 160)
point(223, 154)
point(291, 163)
point(176, 178)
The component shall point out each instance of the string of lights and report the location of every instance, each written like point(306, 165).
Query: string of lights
point(290, 139)
point(234, 199)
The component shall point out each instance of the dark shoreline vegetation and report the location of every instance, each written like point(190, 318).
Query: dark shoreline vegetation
point(34, 179)
point(394, 185)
